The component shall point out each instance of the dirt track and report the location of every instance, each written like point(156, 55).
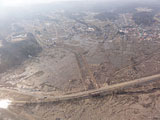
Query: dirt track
point(87, 94)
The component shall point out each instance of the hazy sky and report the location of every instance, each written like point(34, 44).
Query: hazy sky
point(27, 2)
point(30, 2)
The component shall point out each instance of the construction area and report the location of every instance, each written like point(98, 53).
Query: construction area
point(86, 65)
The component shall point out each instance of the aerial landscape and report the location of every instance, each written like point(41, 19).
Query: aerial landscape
point(80, 60)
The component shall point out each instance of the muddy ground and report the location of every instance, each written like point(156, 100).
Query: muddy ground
point(39, 75)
